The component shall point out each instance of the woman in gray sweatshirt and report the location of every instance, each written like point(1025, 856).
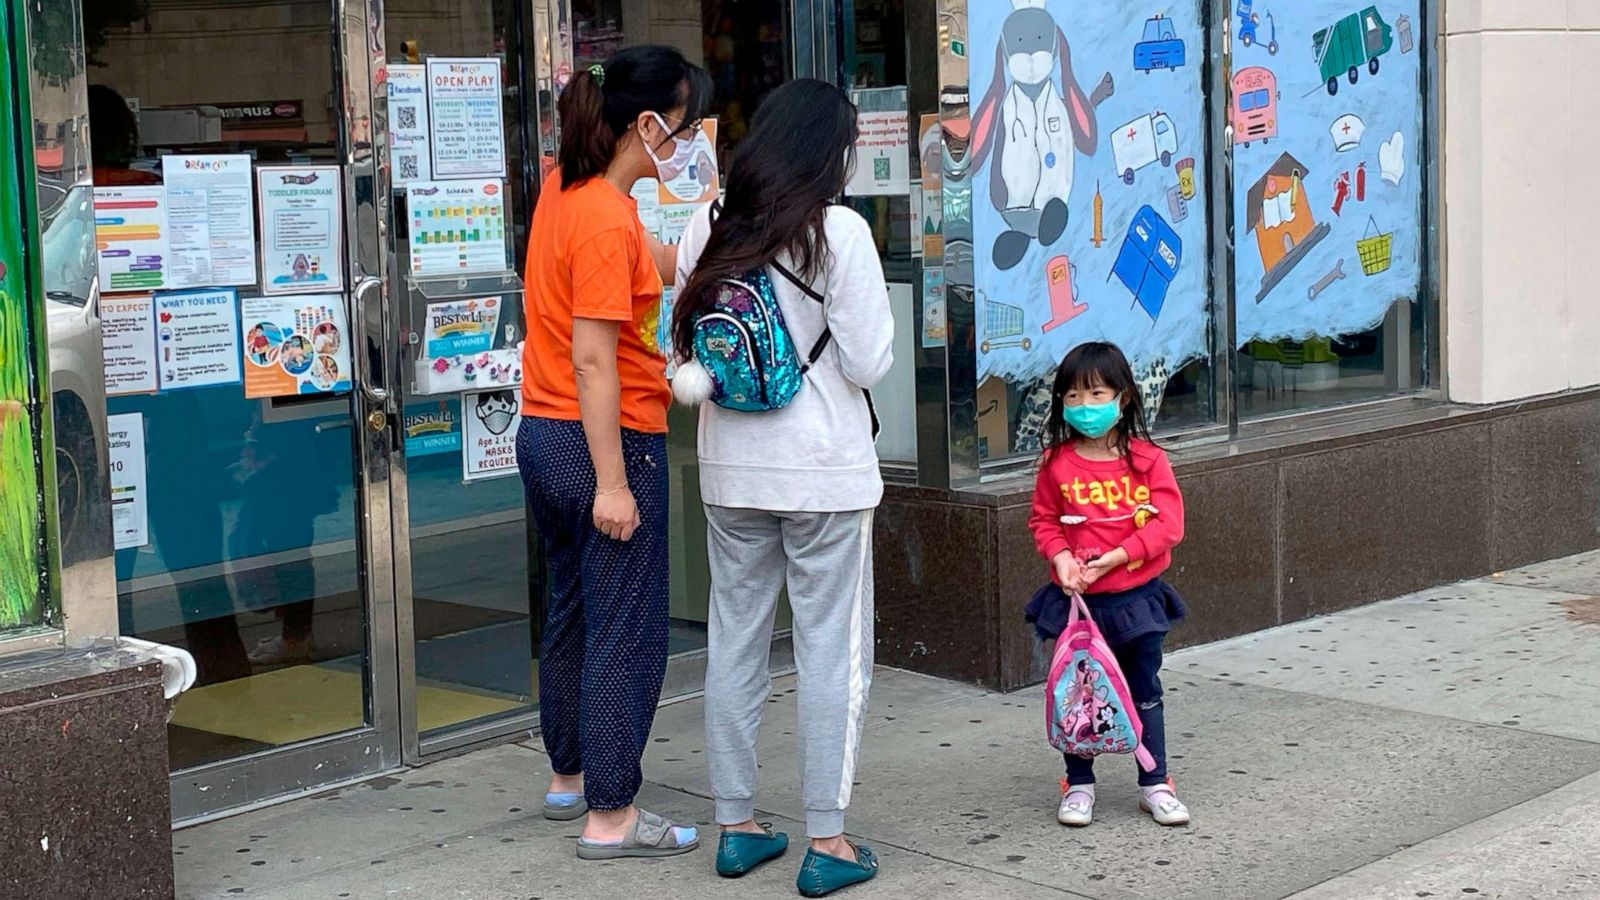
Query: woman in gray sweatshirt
point(790, 493)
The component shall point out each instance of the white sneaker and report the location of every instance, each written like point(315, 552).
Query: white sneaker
point(1077, 804)
point(1162, 803)
point(275, 651)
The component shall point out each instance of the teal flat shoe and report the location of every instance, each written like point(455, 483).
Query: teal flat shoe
point(821, 874)
point(740, 852)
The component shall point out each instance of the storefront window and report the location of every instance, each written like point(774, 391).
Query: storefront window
point(1327, 204)
point(1085, 163)
point(743, 44)
point(1087, 166)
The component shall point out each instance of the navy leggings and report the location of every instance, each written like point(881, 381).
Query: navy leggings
point(1140, 660)
point(605, 641)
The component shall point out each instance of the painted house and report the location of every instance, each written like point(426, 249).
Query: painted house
point(1279, 212)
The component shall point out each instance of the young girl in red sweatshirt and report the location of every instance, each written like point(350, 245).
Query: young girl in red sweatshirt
point(1106, 515)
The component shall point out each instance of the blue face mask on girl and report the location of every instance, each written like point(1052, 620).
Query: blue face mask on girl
point(1094, 420)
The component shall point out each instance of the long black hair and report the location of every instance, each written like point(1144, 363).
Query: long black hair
point(598, 107)
point(1088, 365)
point(790, 167)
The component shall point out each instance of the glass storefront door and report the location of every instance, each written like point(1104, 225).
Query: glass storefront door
point(249, 409)
point(316, 495)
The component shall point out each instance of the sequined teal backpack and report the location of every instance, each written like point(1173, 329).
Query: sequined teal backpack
point(743, 357)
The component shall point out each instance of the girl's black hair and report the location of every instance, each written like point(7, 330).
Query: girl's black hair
point(783, 176)
point(596, 110)
point(1088, 365)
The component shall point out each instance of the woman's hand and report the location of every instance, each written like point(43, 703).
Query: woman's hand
point(616, 515)
point(1094, 569)
point(1068, 571)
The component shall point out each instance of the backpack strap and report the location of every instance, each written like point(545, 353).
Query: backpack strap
point(823, 339)
point(827, 332)
point(809, 291)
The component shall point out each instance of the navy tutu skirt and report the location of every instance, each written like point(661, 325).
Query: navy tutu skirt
point(1150, 608)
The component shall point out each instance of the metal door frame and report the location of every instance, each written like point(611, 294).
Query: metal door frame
point(270, 776)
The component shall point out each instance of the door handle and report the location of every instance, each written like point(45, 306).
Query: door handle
point(376, 396)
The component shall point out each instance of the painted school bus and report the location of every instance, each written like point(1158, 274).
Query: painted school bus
point(1254, 111)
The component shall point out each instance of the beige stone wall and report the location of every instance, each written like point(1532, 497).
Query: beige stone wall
point(1522, 202)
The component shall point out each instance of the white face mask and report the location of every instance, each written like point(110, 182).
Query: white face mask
point(682, 151)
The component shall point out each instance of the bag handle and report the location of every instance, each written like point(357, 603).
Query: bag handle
point(1077, 610)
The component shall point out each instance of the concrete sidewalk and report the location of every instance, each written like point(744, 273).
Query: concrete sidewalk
point(1445, 744)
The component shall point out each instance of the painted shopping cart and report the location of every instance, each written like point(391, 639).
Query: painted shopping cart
point(1375, 248)
point(1003, 326)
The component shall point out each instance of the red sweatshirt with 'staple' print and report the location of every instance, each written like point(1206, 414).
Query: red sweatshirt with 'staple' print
point(1091, 508)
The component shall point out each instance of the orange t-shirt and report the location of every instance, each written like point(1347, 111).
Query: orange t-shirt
point(588, 259)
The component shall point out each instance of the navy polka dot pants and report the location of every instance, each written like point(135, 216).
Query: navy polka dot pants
point(605, 640)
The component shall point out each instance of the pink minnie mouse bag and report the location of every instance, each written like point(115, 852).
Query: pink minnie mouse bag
point(1088, 707)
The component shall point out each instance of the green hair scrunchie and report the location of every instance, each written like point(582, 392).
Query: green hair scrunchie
point(599, 73)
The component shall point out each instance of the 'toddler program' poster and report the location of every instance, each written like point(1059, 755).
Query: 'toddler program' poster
point(302, 229)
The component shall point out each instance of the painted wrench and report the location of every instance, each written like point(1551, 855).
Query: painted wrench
point(1334, 274)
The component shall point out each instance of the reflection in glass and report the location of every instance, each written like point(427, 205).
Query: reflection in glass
point(250, 558)
point(473, 566)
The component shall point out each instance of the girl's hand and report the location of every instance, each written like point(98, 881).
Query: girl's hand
point(1095, 568)
point(1068, 571)
point(616, 515)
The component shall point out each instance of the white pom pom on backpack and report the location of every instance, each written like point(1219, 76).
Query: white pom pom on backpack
point(692, 384)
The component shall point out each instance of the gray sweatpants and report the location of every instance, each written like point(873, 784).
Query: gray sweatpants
point(827, 561)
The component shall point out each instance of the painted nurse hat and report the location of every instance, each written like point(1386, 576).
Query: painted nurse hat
point(1347, 131)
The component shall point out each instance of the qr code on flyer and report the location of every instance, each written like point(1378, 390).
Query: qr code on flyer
point(406, 167)
point(405, 117)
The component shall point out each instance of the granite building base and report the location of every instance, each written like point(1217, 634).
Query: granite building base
point(85, 810)
point(1280, 528)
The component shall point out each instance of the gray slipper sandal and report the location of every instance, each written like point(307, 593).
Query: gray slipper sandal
point(650, 836)
point(565, 807)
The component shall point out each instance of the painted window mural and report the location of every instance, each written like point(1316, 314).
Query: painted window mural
point(21, 597)
point(1326, 109)
point(1087, 166)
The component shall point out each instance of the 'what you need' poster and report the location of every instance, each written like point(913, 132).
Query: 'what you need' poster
point(197, 335)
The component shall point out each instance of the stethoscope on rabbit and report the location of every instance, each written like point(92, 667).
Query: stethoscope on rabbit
point(1024, 121)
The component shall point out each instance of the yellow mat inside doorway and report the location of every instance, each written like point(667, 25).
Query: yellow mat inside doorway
point(304, 702)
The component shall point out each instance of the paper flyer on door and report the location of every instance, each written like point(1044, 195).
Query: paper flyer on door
point(302, 229)
point(410, 152)
point(883, 155)
point(490, 434)
point(461, 327)
point(464, 112)
point(457, 227)
point(198, 338)
point(128, 344)
point(211, 216)
point(130, 227)
point(692, 177)
point(295, 345)
point(432, 427)
point(130, 516)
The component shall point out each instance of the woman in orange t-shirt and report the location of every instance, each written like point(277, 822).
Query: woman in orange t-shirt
point(592, 445)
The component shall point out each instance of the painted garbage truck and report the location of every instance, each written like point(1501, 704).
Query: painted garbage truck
point(1352, 42)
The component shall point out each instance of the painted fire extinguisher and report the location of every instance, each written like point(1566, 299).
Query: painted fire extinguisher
point(1361, 182)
